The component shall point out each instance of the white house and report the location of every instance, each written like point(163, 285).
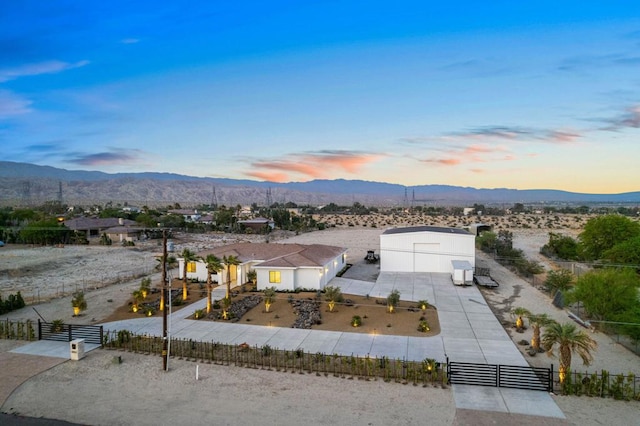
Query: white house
point(284, 266)
point(425, 249)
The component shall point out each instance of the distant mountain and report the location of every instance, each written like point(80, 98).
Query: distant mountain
point(23, 183)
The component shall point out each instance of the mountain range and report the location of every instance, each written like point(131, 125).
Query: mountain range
point(25, 184)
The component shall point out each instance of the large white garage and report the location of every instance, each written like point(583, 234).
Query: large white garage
point(425, 249)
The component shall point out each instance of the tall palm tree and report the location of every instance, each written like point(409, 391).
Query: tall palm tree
point(214, 265)
point(538, 321)
point(188, 257)
point(569, 340)
point(229, 261)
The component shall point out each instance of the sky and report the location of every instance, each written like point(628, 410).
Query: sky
point(500, 94)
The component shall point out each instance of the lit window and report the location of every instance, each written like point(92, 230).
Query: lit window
point(274, 276)
point(191, 266)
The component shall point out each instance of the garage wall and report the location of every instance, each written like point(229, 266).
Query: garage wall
point(425, 251)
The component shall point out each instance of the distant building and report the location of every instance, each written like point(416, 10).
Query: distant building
point(95, 227)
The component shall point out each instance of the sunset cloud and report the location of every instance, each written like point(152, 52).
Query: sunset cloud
point(501, 134)
point(628, 119)
point(311, 165)
point(114, 157)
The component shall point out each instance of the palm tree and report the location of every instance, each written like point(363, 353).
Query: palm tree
point(214, 265)
point(269, 297)
point(519, 313)
point(78, 303)
point(569, 340)
point(332, 295)
point(229, 261)
point(538, 321)
point(188, 257)
point(138, 297)
point(226, 304)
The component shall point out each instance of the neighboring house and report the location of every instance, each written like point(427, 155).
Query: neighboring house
point(123, 233)
point(94, 227)
point(257, 224)
point(188, 214)
point(284, 266)
point(206, 219)
point(425, 249)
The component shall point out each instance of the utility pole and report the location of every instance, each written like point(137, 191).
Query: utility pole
point(165, 340)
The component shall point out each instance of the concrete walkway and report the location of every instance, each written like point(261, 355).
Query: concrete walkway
point(469, 333)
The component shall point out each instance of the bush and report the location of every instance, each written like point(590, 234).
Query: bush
point(356, 321)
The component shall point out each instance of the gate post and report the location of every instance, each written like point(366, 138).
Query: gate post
point(39, 329)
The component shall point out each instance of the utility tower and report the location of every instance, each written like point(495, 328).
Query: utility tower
point(269, 198)
point(214, 199)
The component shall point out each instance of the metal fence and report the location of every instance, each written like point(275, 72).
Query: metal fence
point(427, 372)
point(505, 376)
point(67, 332)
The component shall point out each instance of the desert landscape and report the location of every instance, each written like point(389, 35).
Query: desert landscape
point(99, 271)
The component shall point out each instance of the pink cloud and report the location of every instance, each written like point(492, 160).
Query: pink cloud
point(315, 165)
point(270, 177)
point(563, 136)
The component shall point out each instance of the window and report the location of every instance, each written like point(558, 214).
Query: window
point(274, 276)
point(191, 266)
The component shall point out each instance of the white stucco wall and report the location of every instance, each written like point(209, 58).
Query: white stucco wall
point(425, 251)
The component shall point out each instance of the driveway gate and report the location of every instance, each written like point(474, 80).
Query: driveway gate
point(69, 332)
point(505, 376)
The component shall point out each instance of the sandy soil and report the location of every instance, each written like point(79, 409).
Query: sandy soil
point(227, 395)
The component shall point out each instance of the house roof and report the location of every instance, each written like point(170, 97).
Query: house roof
point(257, 220)
point(123, 230)
point(84, 223)
point(410, 229)
point(279, 255)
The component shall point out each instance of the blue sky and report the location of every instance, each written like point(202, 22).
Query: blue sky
point(482, 94)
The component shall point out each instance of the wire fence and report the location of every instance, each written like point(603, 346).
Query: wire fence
point(85, 283)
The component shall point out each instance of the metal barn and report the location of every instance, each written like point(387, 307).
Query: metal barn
point(425, 249)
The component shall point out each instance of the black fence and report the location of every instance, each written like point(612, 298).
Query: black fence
point(505, 376)
point(67, 332)
point(424, 373)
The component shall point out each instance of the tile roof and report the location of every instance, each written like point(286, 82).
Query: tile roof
point(280, 255)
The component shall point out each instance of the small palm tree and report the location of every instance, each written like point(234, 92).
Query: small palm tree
point(188, 257)
point(226, 304)
point(230, 261)
point(269, 297)
point(392, 300)
point(518, 313)
point(78, 303)
point(145, 287)
point(214, 265)
point(332, 295)
point(538, 321)
point(569, 340)
point(252, 276)
point(138, 297)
